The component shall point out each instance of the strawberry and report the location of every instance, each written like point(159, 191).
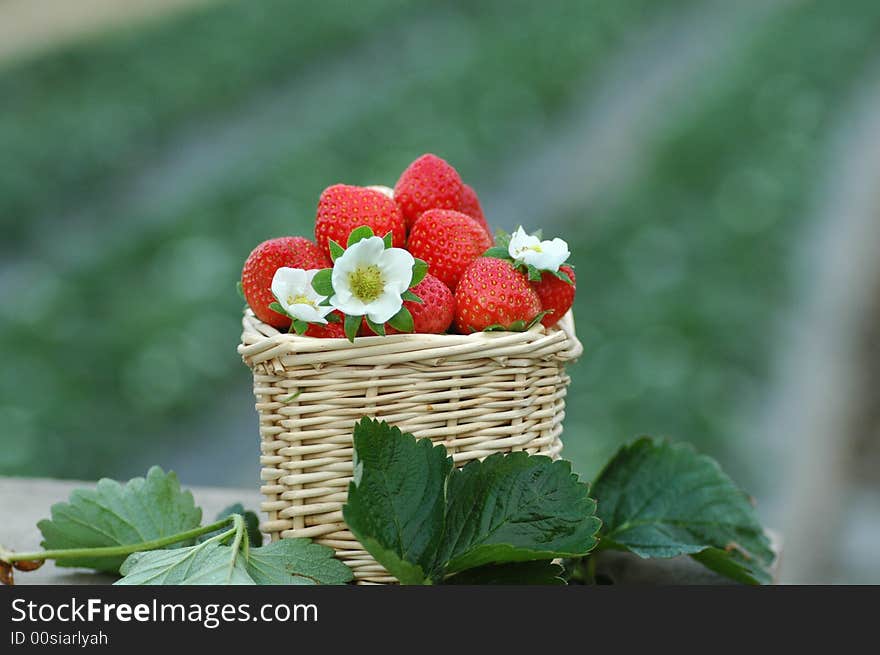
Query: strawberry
point(329, 331)
point(492, 292)
point(342, 208)
point(556, 295)
point(433, 315)
point(260, 267)
point(449, 241)
point(470, 205)
point(428, 183)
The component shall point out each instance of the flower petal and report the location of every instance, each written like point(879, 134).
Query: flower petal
point(287, 281)
point(349, 305)
point(384, 307)
point(307, 313)
point(396, 265)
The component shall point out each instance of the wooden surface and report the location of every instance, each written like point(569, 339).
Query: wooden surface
point(23, 502)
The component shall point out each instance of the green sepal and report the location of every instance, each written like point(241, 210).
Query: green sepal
point(332, 317)
point(240, 290)
point(352, 325)
point(276, 307)
point(322, 283)
point(517, 326)
point(498, 252)
point(538, 319)
point(502, 238)
point(378, 328)
point(420, 270)
point(409, 295)
point(402, 321)
point(389, 240)
point(359, 234)
point(562, 275)
point(335, 250)
point(299, 326)
point(534, 273)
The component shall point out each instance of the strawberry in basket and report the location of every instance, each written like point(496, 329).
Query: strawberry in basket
point(260, 268)
point(375, 280)
point(433, 315)
point(342, 208)
point(449, 241)
point(428, 183)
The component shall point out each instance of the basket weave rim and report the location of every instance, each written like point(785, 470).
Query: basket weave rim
point(261, 342)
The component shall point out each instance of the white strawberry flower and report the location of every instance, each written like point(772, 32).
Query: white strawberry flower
point(292, 288)
point(531, 251)
point(370, 279)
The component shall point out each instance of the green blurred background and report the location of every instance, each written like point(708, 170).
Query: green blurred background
point(694, 154)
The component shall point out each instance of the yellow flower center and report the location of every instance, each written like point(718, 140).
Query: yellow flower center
point(300, 300)
point(366, 283)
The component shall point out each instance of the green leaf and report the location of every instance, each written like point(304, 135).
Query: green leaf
point(336, 250)
point(402, 321)
point(296, 562)
point(734, 565)
point(359, 234)
point(516, 508)
point(534, 273)
point(240, 290)
point(378, 328)
point(322, 283)
point(299, 326)
point(540, 572)
point(420, 270)
point(388, 239)
point(251, 522)
point(409, 295)
point(276, 307)
point(498, 252)
point(351, 327)
point(396, 500)
point(207, 563)
point(115, 515)
point(659, 499)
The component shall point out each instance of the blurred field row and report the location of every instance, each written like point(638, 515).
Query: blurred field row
point(28, 27)
point(140, 168)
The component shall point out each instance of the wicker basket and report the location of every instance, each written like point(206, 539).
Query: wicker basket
point(476, 394)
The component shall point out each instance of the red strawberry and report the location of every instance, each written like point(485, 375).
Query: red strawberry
point(428, 183)
point(433, 315)
point(470, 205)
point(260, 267)
point(449, 241)
point(329, 331)
point(493, 292)
point(342, 208)
point(556, 295)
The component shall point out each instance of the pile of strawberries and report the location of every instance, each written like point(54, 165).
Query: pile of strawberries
point(470, 286)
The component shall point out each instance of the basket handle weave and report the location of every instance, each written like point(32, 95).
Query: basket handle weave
point(576, 348)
